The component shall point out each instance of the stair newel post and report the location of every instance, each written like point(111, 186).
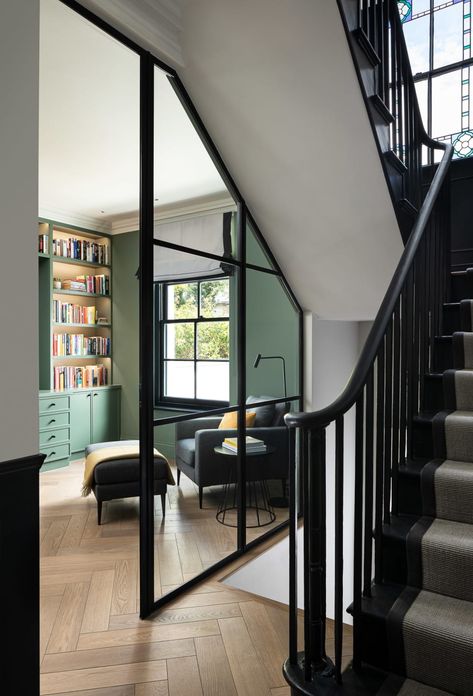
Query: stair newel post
point(369, 461)
point(294, 450)
point(339, 501)
point(358, 532)
point(317, 549)
point(378, 526)
point(396, 401)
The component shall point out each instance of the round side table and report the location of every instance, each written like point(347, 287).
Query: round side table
point(257, 493)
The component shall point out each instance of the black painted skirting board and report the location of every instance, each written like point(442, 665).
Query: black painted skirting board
point(19, 575)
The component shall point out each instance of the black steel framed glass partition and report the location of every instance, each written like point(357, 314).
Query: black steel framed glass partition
point(249, 500)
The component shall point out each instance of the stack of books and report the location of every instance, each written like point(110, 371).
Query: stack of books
point(80, 345)
point(82, 250)
point(43, 244)
point(253, 445)
point(68, 313)
point(98, 284)
point(66, 377)
point(74, 285)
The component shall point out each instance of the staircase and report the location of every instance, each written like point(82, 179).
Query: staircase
point(412, 390)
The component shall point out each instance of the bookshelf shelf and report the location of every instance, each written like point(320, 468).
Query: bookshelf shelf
point(78, 262)
point(82, 326)
point(80, 357)
point(80, 294)
point(43, 256)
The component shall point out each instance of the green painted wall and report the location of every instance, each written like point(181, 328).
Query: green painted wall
point(125, 307)
point(272, 328)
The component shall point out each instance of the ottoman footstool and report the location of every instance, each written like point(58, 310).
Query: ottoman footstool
point(120, 478)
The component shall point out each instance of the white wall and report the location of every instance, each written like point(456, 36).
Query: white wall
point(19, 64)
point(332, 349)
point(275, 85)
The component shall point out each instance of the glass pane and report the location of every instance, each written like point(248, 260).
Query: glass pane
point(421, 89)
point(179, 341)
point(272, 332)
point(179, 379)
point(255, 253)
point(193, 207)
point(448, 35)
point(182, 301)
point(417, 35)
point(213, 382)
point(420, 6)
point(446, 104)
point(213, 340)
point(215, 298)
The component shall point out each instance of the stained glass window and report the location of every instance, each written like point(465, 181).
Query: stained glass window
point(438, 37)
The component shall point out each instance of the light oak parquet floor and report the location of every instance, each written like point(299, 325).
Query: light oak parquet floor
point(213, 641)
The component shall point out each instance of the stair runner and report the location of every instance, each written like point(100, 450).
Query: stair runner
point(430, 626)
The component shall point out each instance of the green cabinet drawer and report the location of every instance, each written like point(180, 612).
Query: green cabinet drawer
point(52, 437)
point(55, 452)
point(53, 404)
point(53, 420)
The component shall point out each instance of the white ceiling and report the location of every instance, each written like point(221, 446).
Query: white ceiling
point(89, 128)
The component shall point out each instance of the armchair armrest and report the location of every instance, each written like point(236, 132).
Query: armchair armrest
point(187, 429)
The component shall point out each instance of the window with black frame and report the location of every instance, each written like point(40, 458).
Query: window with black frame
point(194, 339)
point(438, 37)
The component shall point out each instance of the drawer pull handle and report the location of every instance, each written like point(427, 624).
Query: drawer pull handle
point(53, 420)
point(51, 454)
point(89, 395)
point(52, 437)
point(95, 394)
point(51, 405)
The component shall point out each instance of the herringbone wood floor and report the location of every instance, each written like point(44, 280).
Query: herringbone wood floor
point(214, 641)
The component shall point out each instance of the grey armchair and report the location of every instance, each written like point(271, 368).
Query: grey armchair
point(196, 440)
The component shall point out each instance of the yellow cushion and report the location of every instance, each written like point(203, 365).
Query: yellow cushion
point(230, 420)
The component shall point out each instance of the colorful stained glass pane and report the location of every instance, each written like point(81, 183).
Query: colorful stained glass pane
point(463, 144)
point(405, 10)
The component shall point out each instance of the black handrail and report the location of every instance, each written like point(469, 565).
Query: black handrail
point(387, 384)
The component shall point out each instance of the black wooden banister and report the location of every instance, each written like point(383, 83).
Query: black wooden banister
point(357, 381)
point(387, 383)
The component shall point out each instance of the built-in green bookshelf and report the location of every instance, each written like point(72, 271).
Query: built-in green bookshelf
point(67, 253)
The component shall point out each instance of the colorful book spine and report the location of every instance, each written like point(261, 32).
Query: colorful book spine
point(43, 244)
point(69, 313)
point(82, 250)
point(73, 377)
point(80, 345)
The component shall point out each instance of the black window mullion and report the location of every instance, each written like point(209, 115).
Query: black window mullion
point(195, 350)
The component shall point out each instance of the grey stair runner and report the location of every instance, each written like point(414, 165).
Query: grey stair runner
point(399, 687)
point(431, 624)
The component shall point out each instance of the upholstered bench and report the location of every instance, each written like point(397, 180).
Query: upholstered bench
point(120, 478)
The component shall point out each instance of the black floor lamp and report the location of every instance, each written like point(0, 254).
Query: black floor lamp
point(277, 501)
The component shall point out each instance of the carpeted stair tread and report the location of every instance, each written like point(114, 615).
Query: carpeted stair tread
point(453, 486)
point(458, 389)
point(396, 686)
point(438, 642)
point(447, 559)
point(462, 342)
point(459, 435)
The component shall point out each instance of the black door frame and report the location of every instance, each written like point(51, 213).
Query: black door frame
point(148, 63)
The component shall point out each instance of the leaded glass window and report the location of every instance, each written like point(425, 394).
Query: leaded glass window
point(438, 37)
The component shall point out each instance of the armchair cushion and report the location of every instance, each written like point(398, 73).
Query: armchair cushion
point(264, 414)
point(187, 450)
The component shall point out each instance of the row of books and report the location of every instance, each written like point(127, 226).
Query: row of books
point(43, 244)
point(66, 377)
point(68, 313)
point(253, 445)
point(82, 250)
point(99, 284)
point(79, 344)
